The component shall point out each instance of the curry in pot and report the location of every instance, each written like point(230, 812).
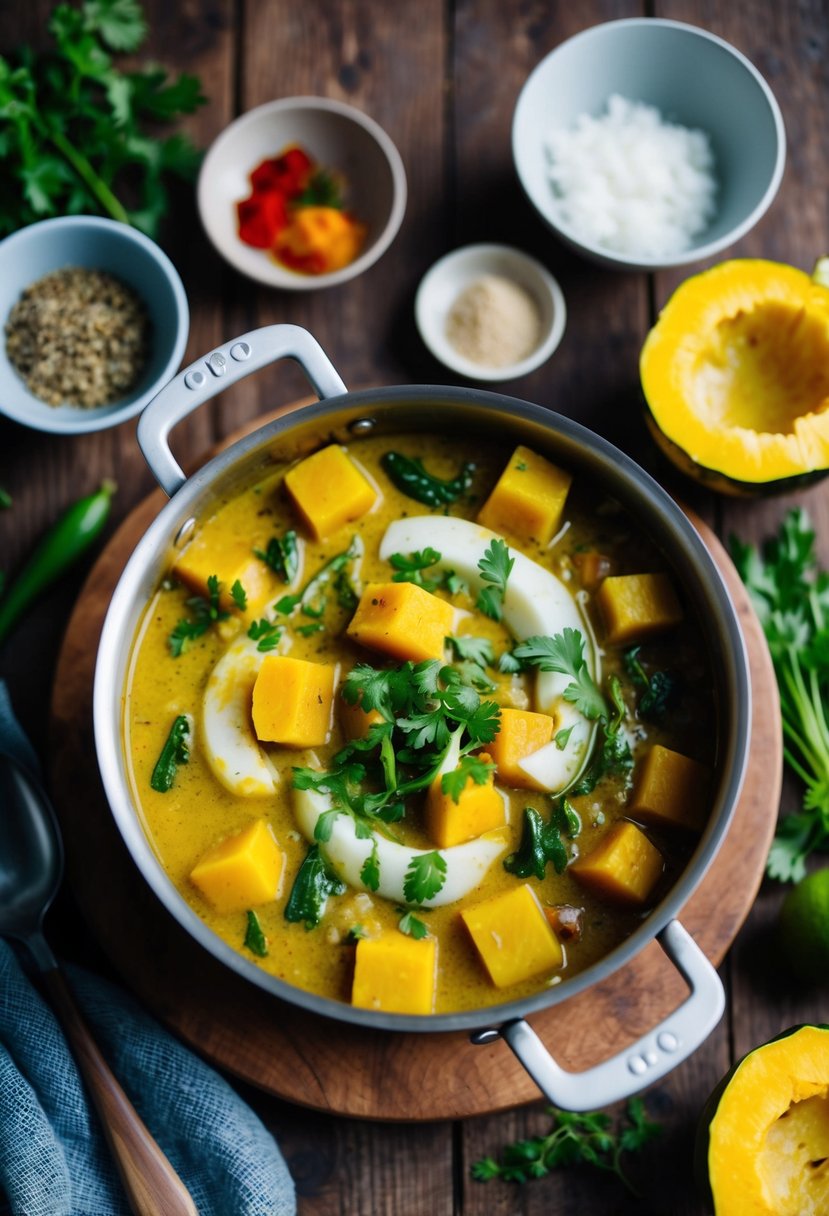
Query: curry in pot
point(418, 729)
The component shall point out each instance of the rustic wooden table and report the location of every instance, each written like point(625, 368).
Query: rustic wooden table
point(442, 77)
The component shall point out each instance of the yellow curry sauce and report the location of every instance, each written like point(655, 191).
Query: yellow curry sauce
point(187, 821)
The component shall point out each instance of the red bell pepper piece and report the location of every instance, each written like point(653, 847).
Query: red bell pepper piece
point(261, 217)
point(288, 174)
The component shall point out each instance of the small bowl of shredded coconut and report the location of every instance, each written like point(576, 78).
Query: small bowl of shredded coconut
point(646, 143)
point(490, 312)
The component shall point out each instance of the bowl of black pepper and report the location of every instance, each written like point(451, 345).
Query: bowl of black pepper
point(95, 322)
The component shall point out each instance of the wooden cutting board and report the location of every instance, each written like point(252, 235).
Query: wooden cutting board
point(329, 1065)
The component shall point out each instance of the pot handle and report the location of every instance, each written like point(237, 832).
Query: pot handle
point(213, 373)
point(643, 1062)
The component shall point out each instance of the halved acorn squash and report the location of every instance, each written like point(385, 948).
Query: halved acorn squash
point(736, 377)
point(763, 1143)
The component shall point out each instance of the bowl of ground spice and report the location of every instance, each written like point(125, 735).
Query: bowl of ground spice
point(490, 312)
point(95, 321)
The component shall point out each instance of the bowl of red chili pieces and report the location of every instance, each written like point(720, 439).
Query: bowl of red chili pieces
point(302, 193)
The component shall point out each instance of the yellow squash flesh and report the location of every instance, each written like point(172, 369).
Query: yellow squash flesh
point(768, 1142)
point(736, 376)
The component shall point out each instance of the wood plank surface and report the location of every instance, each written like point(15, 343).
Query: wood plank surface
point(442, 77)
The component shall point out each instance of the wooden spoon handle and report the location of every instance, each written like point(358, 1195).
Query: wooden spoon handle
point(153, 1187)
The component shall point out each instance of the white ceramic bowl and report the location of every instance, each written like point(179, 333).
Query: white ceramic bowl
point(99, 244)
point(337, 137)
point(694, 79)
point(441, 286)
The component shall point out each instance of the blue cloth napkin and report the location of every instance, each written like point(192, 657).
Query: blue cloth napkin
point(53, 1158)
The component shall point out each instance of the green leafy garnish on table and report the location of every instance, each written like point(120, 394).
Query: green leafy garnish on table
point(790, 593)
point(255, 939)
point(176, 751)
point(74, 128)
point(575, 1139)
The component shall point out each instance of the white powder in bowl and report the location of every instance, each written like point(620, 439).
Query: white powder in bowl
point(494, 322)
point(631, 181)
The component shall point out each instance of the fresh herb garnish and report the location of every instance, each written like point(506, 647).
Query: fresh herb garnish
point(473, 768)
point(409, 567)
point(307, 630)
point(574, 1139)
point(323, 190)
point(175, 751)
point(540, 843)
point(613, 756)
point(355, 934)
point(791, 596)
point(73, 127)
point(205, 612)
point(495, 567)
point(281, 554)
point(255, 939)
point(412, 926)
point(312, 886)
point(475, 655)
point(265, 633)
point(562, 737)
point(660, 687)
point(408, 474)
point(425, 876)
point(370, 871)
point(564, 653)
point(239, 596)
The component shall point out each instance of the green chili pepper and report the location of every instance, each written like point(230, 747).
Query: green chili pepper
point(175, 751)
point(408, 474)
point(79, 526)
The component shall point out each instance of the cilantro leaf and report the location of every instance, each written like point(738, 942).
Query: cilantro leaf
point(370, 872)
point(265, 633)
point(255, 939)
point(476, 650)
point(425, 876)
point(470, 768)
point(495, 568)
point(410, 925)
point(409, 567)
point(239, 596)
point(574, 1139)
point(564, 653)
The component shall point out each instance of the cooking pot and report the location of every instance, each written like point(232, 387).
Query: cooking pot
point(343, 417)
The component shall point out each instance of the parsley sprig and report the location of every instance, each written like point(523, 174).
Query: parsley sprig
point(791, 596)
point(495, 568)
point(73, 127)
point(204, 612)
point(564, 653)
point(574, 1139)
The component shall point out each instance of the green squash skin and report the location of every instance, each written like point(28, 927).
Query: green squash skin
point(721, 483)
point(702, 1143)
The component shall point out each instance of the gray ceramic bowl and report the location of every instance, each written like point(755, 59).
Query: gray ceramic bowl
point(694, 79)
point(100, 244)
point(337, 137)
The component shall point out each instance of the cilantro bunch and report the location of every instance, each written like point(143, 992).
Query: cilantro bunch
point(574, 1139)
point(431, 719)
point(74, 134)
point(791, 596)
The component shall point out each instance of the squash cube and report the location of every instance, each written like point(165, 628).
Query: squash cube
point(293, 701)
point(528, 498)
point(624, 866)
point(513, 937)
point(395, 973)
point(229, 557)
point(402, 620)
point(328, 491)
point(671, 789)
point(521, 734)
point(242, 871)
point(479, 809)
point(634, 606)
